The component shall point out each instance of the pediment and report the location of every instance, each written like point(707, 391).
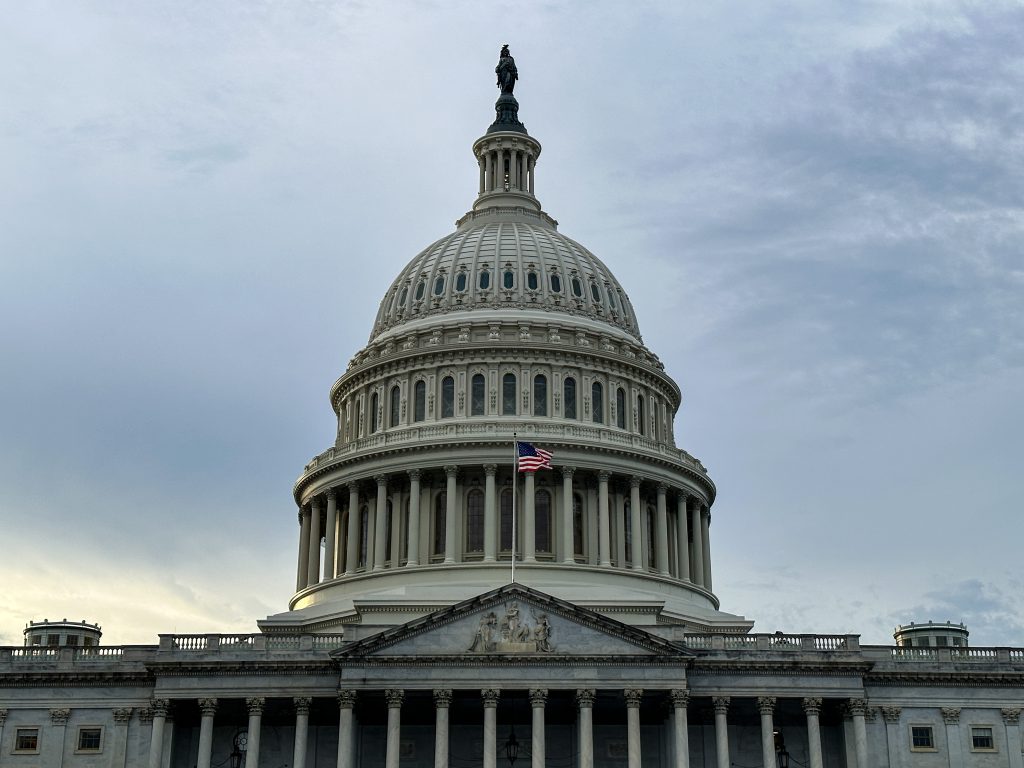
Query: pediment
point(513, 620)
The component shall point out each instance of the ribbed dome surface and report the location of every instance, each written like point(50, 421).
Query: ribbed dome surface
point(506, 259)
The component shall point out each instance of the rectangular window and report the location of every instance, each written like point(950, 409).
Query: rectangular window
point(922, 738)
point(981, 739)
point(26, 740)
point(90, 739)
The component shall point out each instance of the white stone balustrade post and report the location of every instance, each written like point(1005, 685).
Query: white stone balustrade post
point(302, 579)
point(442, 702)
point(604, 526)
point(352, 537)
point(538, 698)
point(585, 702)
point(697, 549)
point(633, 697)
point(394, 698)
point(254, 704)
point(530, 521)
point(208, 708)
point(568, 540)
point(380, 532)
point(812, 708)
point(682, 537)
point(346, 729)
point(301, 730)
point(330, 535)
point(313, 569)
point(661, 528)
point(766, 708)
point(156, 740)
point(680, 727)
point(490, 514)
point(636, 550)
point(490, 697)
point(451, 500)
point(721, 704)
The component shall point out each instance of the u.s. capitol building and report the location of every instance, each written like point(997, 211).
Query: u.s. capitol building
point(408, 642)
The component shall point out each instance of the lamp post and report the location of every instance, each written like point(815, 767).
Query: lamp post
point(238, 746)
point(512, 747)
point(781, 753)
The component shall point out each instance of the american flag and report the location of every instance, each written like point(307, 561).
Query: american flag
point(531, 459)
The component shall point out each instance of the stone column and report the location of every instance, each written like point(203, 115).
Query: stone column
point(682, 538)
point(857, 709)
point(303, 576)
point(490, 697)
point(530, 522)
point(330, 534)
point(451, 497)
point(585, 702)
point(208, 708)
point(533, 162)
point(490, 514)
point(604, 527)
point(538, 697)
point(812, 708)
point(636, 540)
point(346, 729)
point(705, 543)
point(697, 550)
point(3, 719)
point(892, 725)
point(480, 162)
point(661, 527)
point(122, 717)
point(156, 739)
point(442, 700)
point(313, 570)
point(301, 730)
point(252, 751)
point(721, 704)
point(413, 541)
point(1011, 720)
point(58, 722)
point(380, 532)
point(951, 717)
point(766, 706)
point(352, 537)
point(394, 698)
point(680, 728)
point(568, 543)
point(488, 172)
point(633, 696)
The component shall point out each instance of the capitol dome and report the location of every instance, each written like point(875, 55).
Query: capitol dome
point(504, 331)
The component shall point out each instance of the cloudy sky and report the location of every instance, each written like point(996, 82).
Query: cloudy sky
point(817, 208)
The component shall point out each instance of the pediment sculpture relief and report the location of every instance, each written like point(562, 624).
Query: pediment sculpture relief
point(512, 633)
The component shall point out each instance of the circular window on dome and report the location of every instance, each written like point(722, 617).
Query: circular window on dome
point(509, 279)
point(556, 283)
point(485, 280)
point(420, 288)
point(439, 285)
point(577, 288)
point(531, 281)
point(460, 282)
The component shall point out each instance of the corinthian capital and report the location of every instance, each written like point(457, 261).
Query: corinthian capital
point(394, 697)
point(812, 705)
point(633, 696)
point(680, 698)
point(766, 704)
point(721, 704)
point(346, 699)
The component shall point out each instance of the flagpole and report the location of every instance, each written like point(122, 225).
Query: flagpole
point(515, 482)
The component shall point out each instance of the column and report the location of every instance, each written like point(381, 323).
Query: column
point(705, 543)
point(252, 750)
point(857, 709)
point(394, 698)
point(951, 717)
point(529, 524)
point(352, 537)
point(301, 730)
point(156, 739)
point(121, 716)
point(395, 521)
point(313, 569)
point(697, 551)
point(766, 706)
point(442, 700)
point(585, 702)
point(208, 708)
point(538, 697)
point(330, 534)
point(303, 575)
point(1011, 720)
point(380, 517)
point(451, 491)
point(480, 162)
point(490, 697)
point(568, 540)
point(680, 728)
point(604, 528)
point(661, 527)
point(346, 729)
point(682, 538)
point(812, 708)
point(533, 163)
point(3, 719)
point(721, 704)
point(636, 550)
point(488, 172)
point(891, 715)
point(58, 721)
point(413, 545)
point(633, 696)
point(490, 514)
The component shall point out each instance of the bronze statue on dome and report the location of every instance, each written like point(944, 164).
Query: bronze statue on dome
point(506, 71)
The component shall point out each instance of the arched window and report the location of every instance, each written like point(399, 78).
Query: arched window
point(420, 287)
point(396, 405)
point(403, 296)
point(440, 510)
point(364, 533)
point(508, 394)
point(569, 397)
point(577, 525)
point(506, 520)
point(485, 280)
point(540, 395)
point(509, 279)
point(556, 283)
point(577, 288)
point(620, 408)
point(419, 409)
point(460, 282)
point(475, 521)
point(531, 281)
point(447, 397)
point(542, 520)
point(477, 395)
point(611, 297)
point(439, 285)
point(640, 414)
point(595, 292)
point(597, 402)
point(374, 404)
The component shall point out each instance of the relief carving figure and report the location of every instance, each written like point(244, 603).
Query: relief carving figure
point(512, 634)
point(483, 640)
point(542, 634)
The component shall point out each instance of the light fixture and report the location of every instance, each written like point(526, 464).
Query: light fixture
point(781, 753)
point(239, 744)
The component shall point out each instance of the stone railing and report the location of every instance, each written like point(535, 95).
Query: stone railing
point(774, 643)
point(945, 655)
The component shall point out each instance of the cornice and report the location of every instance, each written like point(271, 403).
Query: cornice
point(74, 679)
point(709, 667)
point(243, 667)
point(946, 679)
point(524, 660)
